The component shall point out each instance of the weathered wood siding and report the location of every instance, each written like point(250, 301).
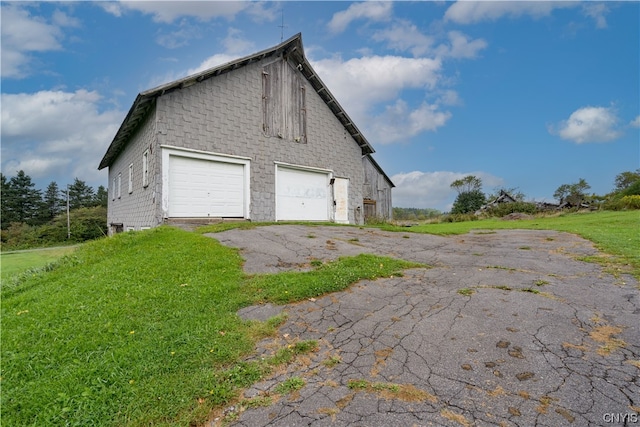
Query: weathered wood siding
point(283, 99)
point(378, 189)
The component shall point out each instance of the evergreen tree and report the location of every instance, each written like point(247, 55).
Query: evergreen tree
point(6, 214)
point(52, 203)
point(22, 200)
point(102, 197)
point(80, 195)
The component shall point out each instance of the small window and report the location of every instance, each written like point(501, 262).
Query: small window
point(129, 229)
point(145, 169)
point(119, 186)
point(131, 178)
point(113, 188)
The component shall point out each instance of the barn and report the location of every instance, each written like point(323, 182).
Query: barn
point(260, 138)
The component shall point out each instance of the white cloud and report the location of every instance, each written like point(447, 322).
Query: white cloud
point(589, 124)
point(211, 62)
point(398, 124)
point(169, 11)
point(61, 19)
point(263, 11)
point(469, 12)
point(179, 37)
point(635, 122)
point(234, 43)
point(450, 97)
point(235, 47)
point(363, 84)
point(55, 133)
point(460, 46)
point(433, 189)
point(22, 34)
point(597, 11)
point(405, 36)
point(359, 83)
point(374, 11)
point(111, 7)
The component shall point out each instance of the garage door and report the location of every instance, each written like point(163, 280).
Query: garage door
point(302, 195)
point(200, 188)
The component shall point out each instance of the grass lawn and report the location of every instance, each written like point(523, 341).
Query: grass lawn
point(140, 329)
point(615, 233)
point(19, 261)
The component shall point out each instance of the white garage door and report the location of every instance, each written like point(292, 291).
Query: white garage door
point(201, 188)
point(302, 195)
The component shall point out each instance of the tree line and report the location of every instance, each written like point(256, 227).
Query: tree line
point(471, 199)
point(29, 216)
point(625, 195)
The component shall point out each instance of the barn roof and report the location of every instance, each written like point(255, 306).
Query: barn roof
point(379, 169)
point(291, 48)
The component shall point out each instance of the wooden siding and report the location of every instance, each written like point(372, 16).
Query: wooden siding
point(283, 101)
point(377, 192)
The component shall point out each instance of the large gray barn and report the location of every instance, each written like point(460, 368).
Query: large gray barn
point(259, 138)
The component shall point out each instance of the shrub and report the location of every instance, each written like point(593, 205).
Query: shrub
point(630, 202)
point(468, 202)
point(19, 235)
point(632, 190)
point(86, 224)
point(504, 209)
point(376, 220)
point(623, 203)
point(458, 217)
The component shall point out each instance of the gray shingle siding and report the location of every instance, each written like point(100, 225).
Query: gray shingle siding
point(138, 208)
point(260, 114)
point(224, 115)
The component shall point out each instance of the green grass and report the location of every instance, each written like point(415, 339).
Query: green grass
point(616, 233)
point(141, 329)
point(290, 385)
point(13, 263)
point(288, 286)
point(466, 292)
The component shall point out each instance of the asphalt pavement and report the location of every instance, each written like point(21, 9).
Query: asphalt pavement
point(507, 328)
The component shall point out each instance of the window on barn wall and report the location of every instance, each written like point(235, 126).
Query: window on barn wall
point(283, 102)
point(145, 169)
point(131, 178)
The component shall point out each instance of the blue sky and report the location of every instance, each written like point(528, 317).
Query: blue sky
point(521, 94)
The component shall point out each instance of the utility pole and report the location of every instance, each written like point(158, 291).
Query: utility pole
point(68, 218)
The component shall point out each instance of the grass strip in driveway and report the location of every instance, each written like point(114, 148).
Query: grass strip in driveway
point(141, 329)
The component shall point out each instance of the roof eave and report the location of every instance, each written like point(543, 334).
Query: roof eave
point(323, 91)
point(136, 113)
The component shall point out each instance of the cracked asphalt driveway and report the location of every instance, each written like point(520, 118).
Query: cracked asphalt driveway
point(507, 328)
